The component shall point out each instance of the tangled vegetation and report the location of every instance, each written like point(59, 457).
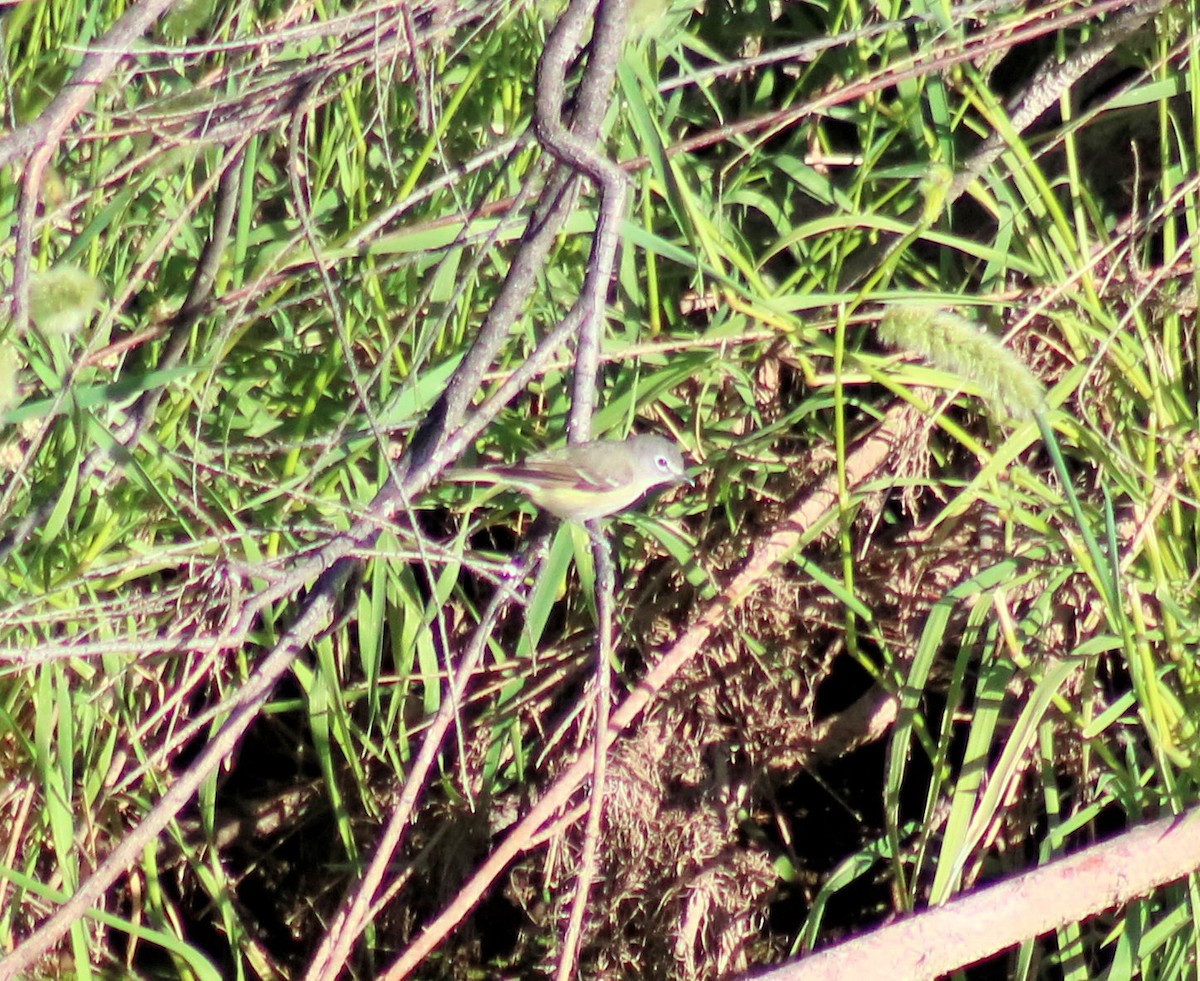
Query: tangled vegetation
point(911, 283)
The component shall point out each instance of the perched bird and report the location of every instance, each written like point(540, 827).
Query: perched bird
point(588, 480)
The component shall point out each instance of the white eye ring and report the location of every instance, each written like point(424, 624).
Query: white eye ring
point(662, 463)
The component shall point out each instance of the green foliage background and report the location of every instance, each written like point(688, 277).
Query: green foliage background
point(791, 175)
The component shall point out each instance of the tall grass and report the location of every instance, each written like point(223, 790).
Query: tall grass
point(298, 226)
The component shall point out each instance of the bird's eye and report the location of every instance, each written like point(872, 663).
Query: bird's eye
point(662, 463)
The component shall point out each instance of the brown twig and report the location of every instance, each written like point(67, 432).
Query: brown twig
point(578, 153)
point(593, 829)
point(1050, 81)
point(984, 922)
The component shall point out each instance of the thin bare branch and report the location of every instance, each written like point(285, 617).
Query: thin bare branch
point(981, 923)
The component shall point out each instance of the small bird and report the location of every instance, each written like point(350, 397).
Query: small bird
point(588, 480)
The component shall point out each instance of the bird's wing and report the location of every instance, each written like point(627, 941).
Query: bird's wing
point(559, 473)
